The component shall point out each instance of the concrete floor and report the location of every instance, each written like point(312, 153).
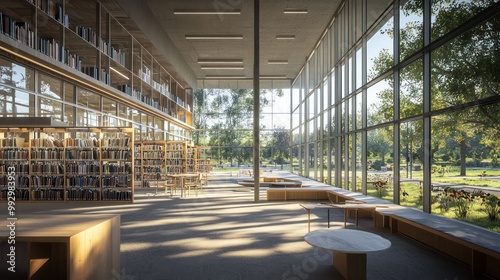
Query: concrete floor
point(222, 234)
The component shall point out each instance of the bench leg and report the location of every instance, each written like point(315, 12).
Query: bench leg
point(479, 263)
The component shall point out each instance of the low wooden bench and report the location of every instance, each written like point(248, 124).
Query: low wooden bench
point(476, 247)
point(273, 183)
point(473, 246)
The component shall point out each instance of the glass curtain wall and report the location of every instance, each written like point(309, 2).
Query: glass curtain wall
point(411, 93)
point(224, 122)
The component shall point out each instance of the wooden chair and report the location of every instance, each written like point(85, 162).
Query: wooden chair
point(171, 183)
point(193, 182)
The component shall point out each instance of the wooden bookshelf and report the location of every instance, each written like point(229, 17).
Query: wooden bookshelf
point(84, 36)
point(175, 154)
point(151, 162)
point(191, 157)
point(203, 160)
point(83, 167)
point(47, 160)
point(86, 164)
point(117, 164)
point(14, 153)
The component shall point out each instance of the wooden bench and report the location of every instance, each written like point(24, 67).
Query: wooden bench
point(273, 183)
point(473, 246)
point(476, 247)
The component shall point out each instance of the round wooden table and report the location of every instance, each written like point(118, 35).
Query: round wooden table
point(349, 248)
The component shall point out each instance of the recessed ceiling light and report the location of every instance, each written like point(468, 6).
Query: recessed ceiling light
point(285, 37)
point(218, 61)
point(273, 76)
point(206, 12)
point(276, 61)
point(222, 67)
point(214, 37)
point(224, 76)
point(295, 11)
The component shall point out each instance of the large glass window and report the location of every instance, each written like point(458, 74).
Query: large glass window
point(459, 96)
point(410, 166)
point(89, 99)
point(332, 124)
point(374, 10)
point(69, 93)
point(312, 72)
point(380, 49)
point(359, 163)
point(380, 103)
point(86, 118)
point(359, 68)
point(108, 106)
point(411, 17)
point(447, 15)
point(465, 152)
point(380, 159)
point(50, 86)
point(50, 108)
point(295, 97)
point(359, 110)
point(15, 75)
point(411, 89)
point(466, 68)
point(326, 94)
point(16, 103)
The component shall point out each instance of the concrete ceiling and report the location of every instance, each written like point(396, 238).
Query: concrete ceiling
point(163, 33)
point(307, 29)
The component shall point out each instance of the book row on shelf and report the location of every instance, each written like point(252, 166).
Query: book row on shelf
point(14, 153)
point(53, 9)
point(47, 167)
point(69, 168)
point(47, 154)
point(81, 181)
point(12, 142)
point(153, 154)
point(70, 195)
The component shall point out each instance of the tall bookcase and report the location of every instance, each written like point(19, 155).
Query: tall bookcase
point(84, 37)
point(191, 157)
point(151, 161)
point(154, 160)
point(83, 166)
point(73, 164)
point(14, 154)
point(117, 163)
point(47, 170)
point(176, 160)
point(203, 160)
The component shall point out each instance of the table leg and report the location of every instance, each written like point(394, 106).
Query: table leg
point(182, 186)
point(328, 217)
point(345, 217)
point(308, 220)
point(356, 213)
point(351, 266)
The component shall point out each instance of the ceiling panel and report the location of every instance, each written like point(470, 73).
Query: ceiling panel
point(307, 29)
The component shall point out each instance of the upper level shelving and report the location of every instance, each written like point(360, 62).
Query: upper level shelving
point(84, 36)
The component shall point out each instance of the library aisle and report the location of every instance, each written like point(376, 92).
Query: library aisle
point(222, 234)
